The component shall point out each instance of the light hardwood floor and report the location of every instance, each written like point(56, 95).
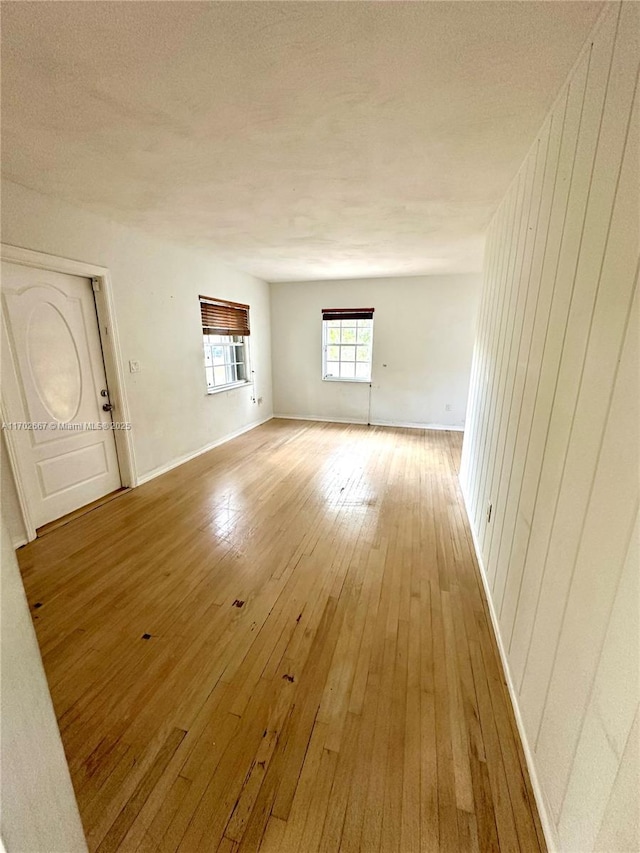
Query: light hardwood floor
point(321, 672)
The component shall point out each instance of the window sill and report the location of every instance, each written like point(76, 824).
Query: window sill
point(345, 379)
point(229, 387)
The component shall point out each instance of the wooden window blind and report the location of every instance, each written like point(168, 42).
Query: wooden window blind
point(347, 313)
point(220, 317)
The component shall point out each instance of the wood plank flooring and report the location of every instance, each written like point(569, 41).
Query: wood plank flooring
point(283, 645)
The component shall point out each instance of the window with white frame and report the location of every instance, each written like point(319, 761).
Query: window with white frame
point(225, 336)
point(347, 344)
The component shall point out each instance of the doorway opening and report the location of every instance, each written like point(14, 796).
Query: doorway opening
point(65, 415)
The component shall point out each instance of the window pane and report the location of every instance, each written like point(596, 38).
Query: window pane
point(347, 353)
point(224, 357)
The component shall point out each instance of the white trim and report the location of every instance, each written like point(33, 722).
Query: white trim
point(243, 383)
point(359, 421)
point(163, 469)
point(44, 261)
point(108, 331)
point(321, 420)
point(347, 378)
point(114, 369)
point(417, 425)
point(19, 542)
point(548, 826)
point(12, 453)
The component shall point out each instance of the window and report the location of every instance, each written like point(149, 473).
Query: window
point(347, 341)
point(225, 335)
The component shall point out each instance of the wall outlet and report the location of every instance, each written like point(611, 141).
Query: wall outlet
point(447, 408)
point(134, 367)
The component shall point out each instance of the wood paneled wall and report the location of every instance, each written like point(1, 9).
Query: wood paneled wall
point(552, 443)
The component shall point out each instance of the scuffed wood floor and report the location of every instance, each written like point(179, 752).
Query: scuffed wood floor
point(283, 645)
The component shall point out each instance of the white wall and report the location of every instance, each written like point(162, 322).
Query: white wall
point(423, 341)
point(156, 287)
point(553, 443)
point(39, 811)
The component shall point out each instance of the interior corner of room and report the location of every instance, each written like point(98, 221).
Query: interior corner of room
point(321, 429)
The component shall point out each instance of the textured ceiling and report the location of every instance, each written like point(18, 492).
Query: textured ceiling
point(298, 140)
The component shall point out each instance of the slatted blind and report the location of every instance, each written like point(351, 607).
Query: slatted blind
point(347, 313)
point(220, 317)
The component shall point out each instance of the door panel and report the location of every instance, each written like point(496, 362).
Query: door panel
point(73, 468)
point(59, 389)
point(53, 376)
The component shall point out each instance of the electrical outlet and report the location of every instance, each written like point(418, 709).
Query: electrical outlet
point(447, 408)
point(134, 367)
point(489, 511)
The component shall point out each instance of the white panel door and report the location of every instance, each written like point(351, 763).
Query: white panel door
point(53, 380)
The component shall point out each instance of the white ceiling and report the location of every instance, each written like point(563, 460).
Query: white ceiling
point(298, 140)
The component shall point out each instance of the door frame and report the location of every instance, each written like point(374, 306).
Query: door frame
point(108, 331)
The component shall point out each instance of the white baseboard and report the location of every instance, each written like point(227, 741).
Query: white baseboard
point(163, 469)
point(373, 423)
point(321, 419)
point(548, 827)
point(18, 543)
point(417, 425)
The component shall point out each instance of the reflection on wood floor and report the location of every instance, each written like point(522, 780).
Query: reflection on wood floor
point(283, 645)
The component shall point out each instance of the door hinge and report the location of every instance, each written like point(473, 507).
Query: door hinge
point(95, 283)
